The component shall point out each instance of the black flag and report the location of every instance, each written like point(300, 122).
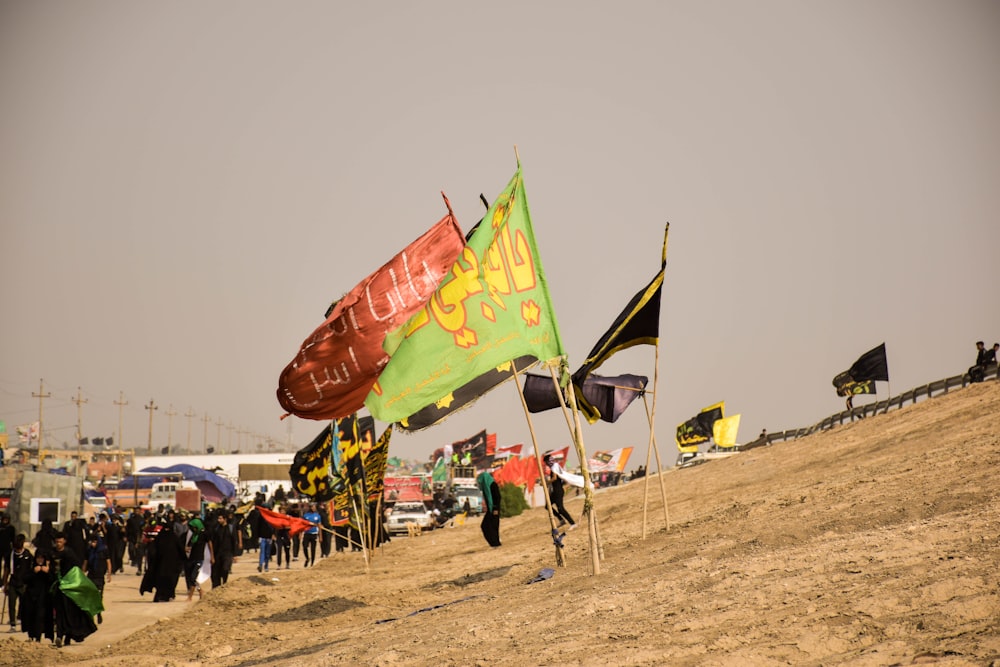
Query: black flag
point(859, 378)
point(610, 395)
point(637, 324)
point(310, 469)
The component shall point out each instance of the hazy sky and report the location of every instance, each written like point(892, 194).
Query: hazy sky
point(186, 186)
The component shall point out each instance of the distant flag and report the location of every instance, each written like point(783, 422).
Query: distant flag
point(375, 463)
point(558, 455)
point(28, 432)
point(699, 428)
point(494, 307)
point(724, 431)
point(508, 451)
point(310, 469)
point(475, 450)
point(637, 324)
point(440, 471)
point(337, 365)
point(613, 461)
point(85, 441)
point(861, 376)
point(708, 416)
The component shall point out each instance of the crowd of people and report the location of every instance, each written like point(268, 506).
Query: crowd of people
point(162, 546)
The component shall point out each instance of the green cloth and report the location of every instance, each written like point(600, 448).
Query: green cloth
point(81, 590)
point(440, 472)
point(493, 307)
point(484, 481)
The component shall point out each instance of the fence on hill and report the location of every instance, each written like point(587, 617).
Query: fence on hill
point(880, 407)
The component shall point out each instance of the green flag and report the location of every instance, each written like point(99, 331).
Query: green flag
point(440, 472)
point(81, 590)
point(491, 308)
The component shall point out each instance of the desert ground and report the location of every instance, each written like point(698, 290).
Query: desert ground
point(874, 543)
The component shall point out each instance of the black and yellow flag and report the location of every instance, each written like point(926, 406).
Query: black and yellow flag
point(310, 469)
point(637, 324)
point(861, 376)
point(690, 434)
point(699, 428)
point(375, 461)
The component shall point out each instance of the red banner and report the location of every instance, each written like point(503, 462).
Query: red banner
point(338, 364)
point(294, 524)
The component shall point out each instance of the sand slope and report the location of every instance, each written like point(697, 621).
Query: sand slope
point(875, 543)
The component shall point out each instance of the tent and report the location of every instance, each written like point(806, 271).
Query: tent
point(213, 488)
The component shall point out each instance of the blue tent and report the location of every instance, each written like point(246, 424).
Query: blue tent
point(213, 486)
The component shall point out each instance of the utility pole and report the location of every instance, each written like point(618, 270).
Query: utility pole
point(79, 400)
point(189, 414)
point(121, 402)
point(152, 406)
point(218, 435)
point(170, 428)
point(41, 396)
point(229, 441)
point(206, 420)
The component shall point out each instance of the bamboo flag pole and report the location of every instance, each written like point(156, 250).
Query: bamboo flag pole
point(659, 470)
point(593, 528)
point(651, 415)
point(556, 538)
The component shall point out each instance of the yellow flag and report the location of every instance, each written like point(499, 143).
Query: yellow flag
point(724, 430)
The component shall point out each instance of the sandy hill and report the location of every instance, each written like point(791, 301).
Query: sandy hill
point(875, 543)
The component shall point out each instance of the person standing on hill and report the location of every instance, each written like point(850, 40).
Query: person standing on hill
point(491, 508)
point(557, 491)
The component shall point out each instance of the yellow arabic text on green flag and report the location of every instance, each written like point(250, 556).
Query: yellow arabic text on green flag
point(491, 308)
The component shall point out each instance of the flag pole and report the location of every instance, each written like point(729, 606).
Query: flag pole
point(651, 414)
point(596, 549)
point(593, 530)
point(659, 465)
point(556, 537)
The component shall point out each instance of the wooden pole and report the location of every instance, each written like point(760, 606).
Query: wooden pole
point(593, 530)
point(651, 415)
point(560, 555)
point(659, 470)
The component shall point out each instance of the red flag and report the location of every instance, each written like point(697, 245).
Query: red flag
point(294, 524)
point(338, 364)
point(512, 451)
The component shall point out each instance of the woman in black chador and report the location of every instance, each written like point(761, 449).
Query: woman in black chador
point(165, 563)
point(36, 605)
